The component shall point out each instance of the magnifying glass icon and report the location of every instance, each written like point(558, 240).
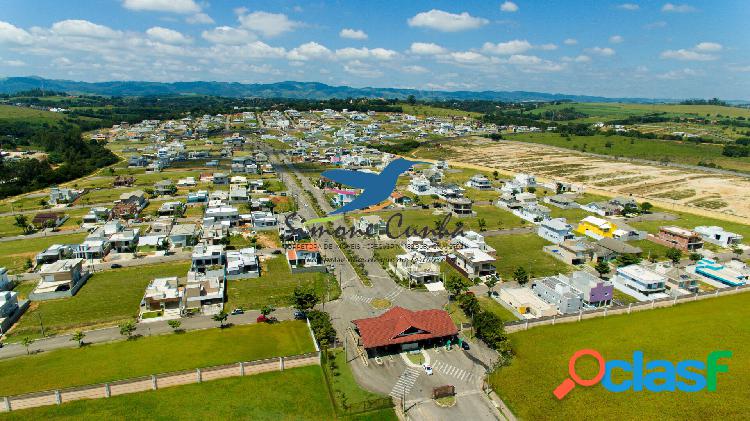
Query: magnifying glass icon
point(568, 384)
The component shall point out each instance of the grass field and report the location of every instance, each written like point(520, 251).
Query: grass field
point(275, 286)
point(488, 304)
point(690, 221)
point(524, 250)
point(613, 111)
point(296, 394)
point(9, 112)
point(494, 217)
point(151, 355)
point(107, 299)
point(13, 254)
point(651, 149)
point(688, 331)
point(427, 111)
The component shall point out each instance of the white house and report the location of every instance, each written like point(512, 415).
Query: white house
point(718, 236)
point(641, 279)
point(474, 262)
point(479, 182)
point(555, 230)
point(242, 263)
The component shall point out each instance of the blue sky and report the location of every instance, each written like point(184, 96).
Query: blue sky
point(619, 48)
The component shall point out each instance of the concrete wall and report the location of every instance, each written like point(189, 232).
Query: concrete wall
point(157, 381)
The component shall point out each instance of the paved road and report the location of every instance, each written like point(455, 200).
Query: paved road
point(145, 329)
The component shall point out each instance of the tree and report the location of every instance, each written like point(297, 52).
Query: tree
point(456, 285)
point(220, 317)
point(304, 298)
point(482, 224)
point(674, 254)
point(320, 322)
point(411, 99)
point(695, 257)
point(78, 337)
point(520, 275)
point(174, 324)
point(469, 304)
point(495, 174)
point(531, 189)
point(267, 309)
point(646, 207)
point(491, 282)
point(628, 259)
point(602, 267)
point(127, 329)
point(22, 221)
point(26, 342)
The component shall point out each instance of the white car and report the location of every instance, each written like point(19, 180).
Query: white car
point(428, 369)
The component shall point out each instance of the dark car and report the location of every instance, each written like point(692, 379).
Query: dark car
point(115, 266)
point(300, 315)
point(465, 346)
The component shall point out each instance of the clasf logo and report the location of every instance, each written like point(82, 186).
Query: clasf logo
point(654, 376)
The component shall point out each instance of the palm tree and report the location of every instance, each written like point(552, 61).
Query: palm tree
point(220, 317)
point(78, 337)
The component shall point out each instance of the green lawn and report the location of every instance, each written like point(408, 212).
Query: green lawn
point(295, 394)
point(494, 218)
point(690, 221)
point(344, 384)
point(688, 331)
point(611, 111)
point(13, 254)
point(275, 286)
point(524, 250)
point(488, 304)
point(107, 298)
point(656, 150)
point(428, 111)
point(151, 355)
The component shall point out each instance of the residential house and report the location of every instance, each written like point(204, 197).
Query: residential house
point(426, 247)
point(470, 240)
point(163, 295)
point(214, 233)
point(479, 182)
point(238, 194)
point(8, 306)
point(263, 220)
point(421, 186)
point(207, 257)
point(305, 257)
point(526, 302)
point(641, 279)
point(97, 215)
point(679, 238)
point(54, 253)
point(562, 201)
point(371, 225)
point(123, 181)
point(242, 263)
point(204, 294)
point(293, 229)
point(59, 196)
point(226, 214)
point(60, 279)
point(596, 228)
point(472, 262)
point(5, 283)
point(608, 249)
point(559, 294)
point(415, 269)
point(602, 208)
point(48, 220)
point(596, 292)
point(164, 188)
point(460, 206)
point(733, 273)
point(200, 196)
point(679, 281)
point(625, 232)
point(720, 237)
point(219, 178)
point(125, 241)
point(573, 252)
point(171, 208)
point(555, 230)
point(183, 235)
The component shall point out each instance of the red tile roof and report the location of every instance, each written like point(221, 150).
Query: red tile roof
point(388, 328)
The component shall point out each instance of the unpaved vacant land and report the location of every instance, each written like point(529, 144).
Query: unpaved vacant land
point(692, 188)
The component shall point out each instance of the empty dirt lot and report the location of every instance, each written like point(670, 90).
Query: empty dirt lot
point(700, 192)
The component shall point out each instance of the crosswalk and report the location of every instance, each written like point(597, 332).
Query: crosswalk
point(361, 299)
point(395, 293)
point(453, 371)
point(405, 382)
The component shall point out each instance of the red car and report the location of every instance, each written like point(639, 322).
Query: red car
point(262, 319)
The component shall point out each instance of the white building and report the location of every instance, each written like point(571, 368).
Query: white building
point(242, 263)
point(555, 230)
point(718, 236)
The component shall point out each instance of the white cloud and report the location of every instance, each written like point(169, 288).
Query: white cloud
point(606, 51)
point(657, 24)
point(739, 68)
point(199, 19)
point(709, 47)
point(546, 47)
point(62, 62)
point(268, 24)
point(447, 22)
point(523, 59)
point(678, 74)
point(83, 28)
point(13, 35)
point(578, 59)
point(353, 34)
point(309, 50)
point(677, 8)
point(467, 57)
point(687, 55)
point(167, 35)
point(172, 6)
point(570, 41)
point(628, 6)
point(13, 63)
point(509, 6)
point(616, 39)
point(415, 69)
point(362, 53)
point(506, 48)
point(228, 35)
point(427, 49)
point(360, 69)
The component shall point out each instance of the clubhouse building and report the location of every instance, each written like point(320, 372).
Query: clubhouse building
point(399, 329)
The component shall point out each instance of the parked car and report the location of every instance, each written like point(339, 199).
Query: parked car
point(115, 266)
point(238, 311)
point(428, 369)
point(300, 315)
point(465, 346)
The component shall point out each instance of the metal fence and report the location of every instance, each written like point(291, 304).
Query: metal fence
point(603, 312)
point(156, 381)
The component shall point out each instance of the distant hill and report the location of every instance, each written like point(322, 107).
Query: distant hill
point(290, 89)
